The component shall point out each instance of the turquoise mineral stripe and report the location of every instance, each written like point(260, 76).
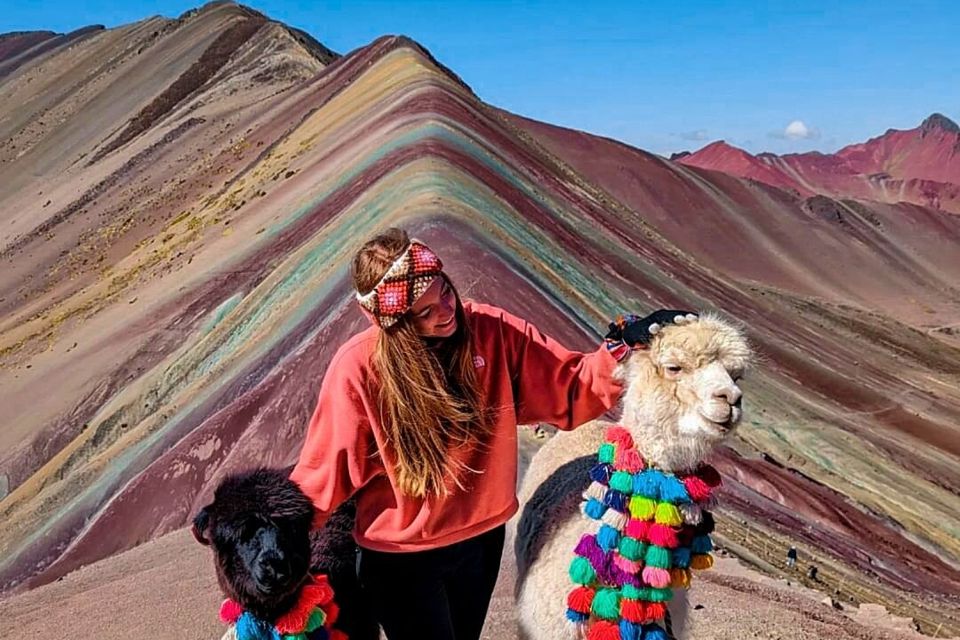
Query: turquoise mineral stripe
point(218, 314)
point(457, 137)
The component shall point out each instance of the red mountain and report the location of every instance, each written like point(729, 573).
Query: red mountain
point(920, 165)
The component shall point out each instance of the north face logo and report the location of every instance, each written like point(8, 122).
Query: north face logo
point(478, 362)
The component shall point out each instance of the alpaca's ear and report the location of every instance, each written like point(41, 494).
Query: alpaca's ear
point(200, 528)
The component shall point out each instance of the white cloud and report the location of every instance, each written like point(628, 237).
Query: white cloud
point(797, 130)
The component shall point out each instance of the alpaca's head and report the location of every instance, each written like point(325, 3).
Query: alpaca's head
point(682, 395)
point(258, 526)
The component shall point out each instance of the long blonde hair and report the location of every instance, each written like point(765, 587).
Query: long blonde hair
point(429, 396)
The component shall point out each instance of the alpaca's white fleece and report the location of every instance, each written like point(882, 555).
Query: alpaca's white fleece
point(541, 604)
point(669, 418)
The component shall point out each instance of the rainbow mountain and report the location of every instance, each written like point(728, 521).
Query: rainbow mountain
point(181, 201)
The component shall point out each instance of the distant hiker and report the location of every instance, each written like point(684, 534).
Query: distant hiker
point(812, 573)
point(792, 557)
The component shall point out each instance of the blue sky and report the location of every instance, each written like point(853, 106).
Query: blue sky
point(663, 76)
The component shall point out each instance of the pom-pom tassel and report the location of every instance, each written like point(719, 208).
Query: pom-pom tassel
point(606, 604)
point(622, 481)
point(603, 630)
point(630, 630)
point(697, 488)
point(295, 620)
point(668, 514)
point(250, 627)
point(630, 592)
point(631, 548)
point(659, 595)
point(679, 578)
point(657, 557)
point(620, 437)
point(318, 591)
point(615, 519)
point(638, 529)
point(706, 525)
point(672, 490)
point(701, 561)
point(576, 616)
point(593, 509)
point(656, 611)
point(691, 513)
point(709, 475)
point(316, 620)
point(627, 565)
point(656, 577)
point(332, 612)
point(607, 537)
point(653, 632)
point(601, 473)
point(663, 536)
point(581, 599)
point(230, 611)
point(642, 508)
point(606, 454)
point(702, 544)
point(581, 571)
point(647, 483)
point(587, 545)
point(629, 460)
point(615, 499)
point(595, 491)
point(633, 610)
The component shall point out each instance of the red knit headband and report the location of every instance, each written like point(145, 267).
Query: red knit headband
point(408, 277)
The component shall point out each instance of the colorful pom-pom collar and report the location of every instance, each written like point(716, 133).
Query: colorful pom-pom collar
point(310, 618)
point(653, 529)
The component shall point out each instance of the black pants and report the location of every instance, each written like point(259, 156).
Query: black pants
point(439, 594)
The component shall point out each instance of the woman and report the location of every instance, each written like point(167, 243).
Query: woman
point(417, 417)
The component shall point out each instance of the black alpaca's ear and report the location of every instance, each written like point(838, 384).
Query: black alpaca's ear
point(200, 527)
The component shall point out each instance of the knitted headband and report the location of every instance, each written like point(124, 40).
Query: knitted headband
point(408, 277)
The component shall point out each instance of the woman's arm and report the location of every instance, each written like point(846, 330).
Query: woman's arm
point(568, 388)
point(339, 454)
point(553, 384)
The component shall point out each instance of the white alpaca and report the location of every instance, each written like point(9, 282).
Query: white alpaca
point(681, 399)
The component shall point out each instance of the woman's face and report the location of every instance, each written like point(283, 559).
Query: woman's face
point(434, 314)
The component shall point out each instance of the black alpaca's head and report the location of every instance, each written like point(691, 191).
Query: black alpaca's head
point(259, 528)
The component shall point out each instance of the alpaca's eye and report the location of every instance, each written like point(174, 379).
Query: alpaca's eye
point(673, 369)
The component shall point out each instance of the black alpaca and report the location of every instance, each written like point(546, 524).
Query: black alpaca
point(259, 526)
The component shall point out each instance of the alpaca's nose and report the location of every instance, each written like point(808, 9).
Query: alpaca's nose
point(729, 392)
point(272, 569)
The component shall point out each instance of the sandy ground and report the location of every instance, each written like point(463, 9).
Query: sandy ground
point(167, 589)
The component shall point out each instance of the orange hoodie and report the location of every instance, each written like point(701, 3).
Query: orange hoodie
point(528, 376)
